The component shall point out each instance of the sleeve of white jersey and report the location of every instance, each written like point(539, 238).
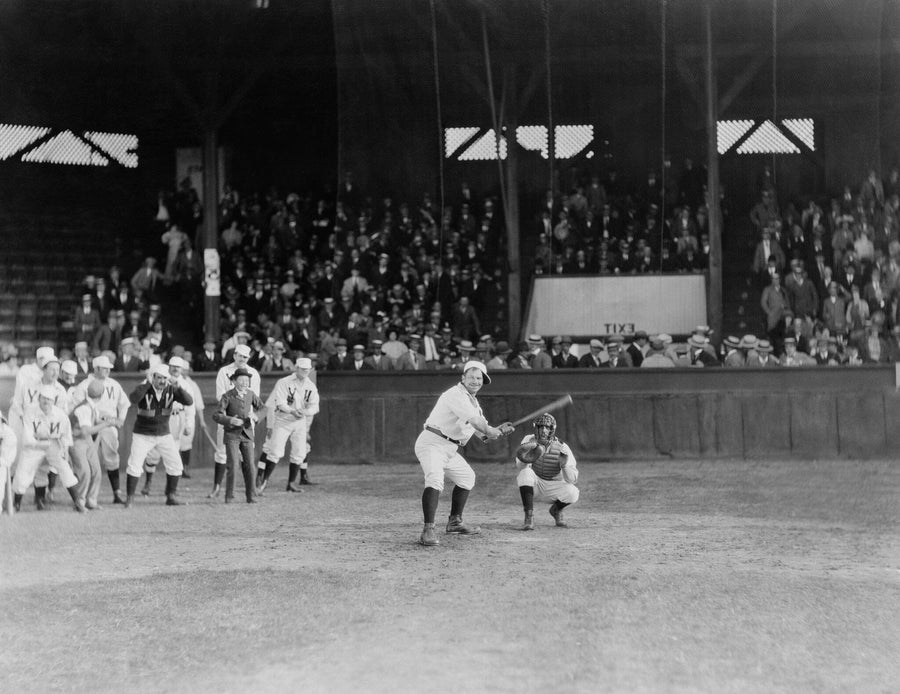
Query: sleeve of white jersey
point(570, 471)
point(122, 404)
point(8, 445)
point(223, 383)
point(310, 399)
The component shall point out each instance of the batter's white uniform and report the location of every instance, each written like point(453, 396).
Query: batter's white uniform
point(112, 405)
point(44, 437)
point(290, 393)
point(438, 453)
point(223, 385)
point(562, 485)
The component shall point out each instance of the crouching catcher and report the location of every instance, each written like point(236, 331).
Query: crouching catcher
point(547, 471)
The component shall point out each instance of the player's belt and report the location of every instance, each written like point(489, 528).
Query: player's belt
point(439, 433)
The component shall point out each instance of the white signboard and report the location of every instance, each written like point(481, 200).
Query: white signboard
point(672, 304)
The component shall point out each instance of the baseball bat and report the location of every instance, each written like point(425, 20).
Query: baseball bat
point(557, 404)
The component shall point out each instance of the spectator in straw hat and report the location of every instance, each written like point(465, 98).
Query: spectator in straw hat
point(748, 345)
point(762, 357)
point(538, 357)
point(596, 358)
point(697, 352)
point(618, 357)
point(378, 359)
point(734, 358)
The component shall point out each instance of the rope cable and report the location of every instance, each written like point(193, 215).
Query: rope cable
point(440, 126)
point(662, 140)
point(774, 80)
point(551, 139)
point(494, 118)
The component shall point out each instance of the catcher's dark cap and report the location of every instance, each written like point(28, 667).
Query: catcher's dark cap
point(239, 372)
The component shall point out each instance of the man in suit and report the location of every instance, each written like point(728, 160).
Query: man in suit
point(594, 359)
point(358, 362)
point(873, 349)
point(82, 359)
point(539, 358)
point(765, 249)
point(412, 359)
point(144, 282)
point(565, 359)
point(341, 360)
point(639, 346)
point(128, 361)
point(209, 359)
point(775, 305)
point(618, 358)
point(379, 360)
point(86, 319)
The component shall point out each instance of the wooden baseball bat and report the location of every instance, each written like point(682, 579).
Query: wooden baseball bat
point(557, 404)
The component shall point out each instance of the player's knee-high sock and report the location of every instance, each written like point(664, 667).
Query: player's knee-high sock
point(430, 497)
point(527, 494)
point(147, 482)
point(293, 469)
point(261, 468)
point(185, 464)
point(458, 501)
point(113, 479)
point(270, 468)
point(131, 483)
point(51, 480)
point(40, 497)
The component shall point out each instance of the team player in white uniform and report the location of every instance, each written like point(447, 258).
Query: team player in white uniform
point(291, 406)
point(9, 446)
point(223, 385)
point(45, 474)
point(451, 423)
point(189, 428)
point(113, 406)
point(46, 436)
point(547, 472)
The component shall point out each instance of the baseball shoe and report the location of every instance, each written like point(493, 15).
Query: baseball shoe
point(529, 521)
point(558, 517)
point(455, 525)
point(41, 504)
point(172, 500)
point(118, 496)
point(145, 491)
point(304, 478)
point(428, 538)
point(229, 499)
point(93, 507)
point(294, 487)
point(129, 501)
point(252, 500)
point(214, 494)
point(261, 487)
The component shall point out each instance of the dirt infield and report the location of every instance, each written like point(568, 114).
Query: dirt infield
point(676, 576)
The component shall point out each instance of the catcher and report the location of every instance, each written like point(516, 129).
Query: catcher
point(547, 471)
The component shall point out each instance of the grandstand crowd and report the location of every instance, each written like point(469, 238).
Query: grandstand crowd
point(373, 282)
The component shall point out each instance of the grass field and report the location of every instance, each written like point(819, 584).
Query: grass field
point(676, 576)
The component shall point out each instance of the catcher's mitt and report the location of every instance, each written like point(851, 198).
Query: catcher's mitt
point(530, 452)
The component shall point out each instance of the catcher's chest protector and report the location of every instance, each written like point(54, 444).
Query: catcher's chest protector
point(547, 466)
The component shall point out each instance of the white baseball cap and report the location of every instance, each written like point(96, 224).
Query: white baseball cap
point(304, 363)
point(102, 362)
point(69, 367)
point(179, 362)
point(42, 354)
point(475, 364)
point(243, 350)
point(160, 370)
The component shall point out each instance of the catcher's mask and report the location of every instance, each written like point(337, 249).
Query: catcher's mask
point(545, 420)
